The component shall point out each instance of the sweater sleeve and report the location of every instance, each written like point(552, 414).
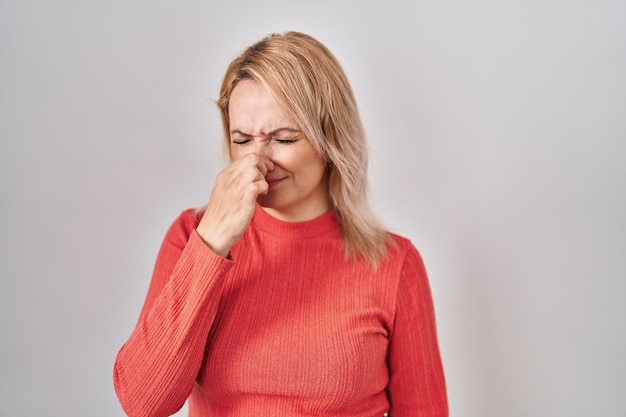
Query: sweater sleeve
point(156, 368)
point(417, 385)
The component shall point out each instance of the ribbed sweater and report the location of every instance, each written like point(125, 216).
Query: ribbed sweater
point(285, 326)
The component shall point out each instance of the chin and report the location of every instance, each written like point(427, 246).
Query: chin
point(267, 201)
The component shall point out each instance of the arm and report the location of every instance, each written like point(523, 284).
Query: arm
point(156, 368)
point(417, 384)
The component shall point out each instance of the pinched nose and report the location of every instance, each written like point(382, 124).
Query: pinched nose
point(264, 148)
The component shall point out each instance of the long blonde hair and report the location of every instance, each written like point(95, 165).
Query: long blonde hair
point(307, 80)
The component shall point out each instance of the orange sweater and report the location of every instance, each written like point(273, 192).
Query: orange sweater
point(284, 327)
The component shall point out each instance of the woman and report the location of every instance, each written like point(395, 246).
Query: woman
point(284, 296)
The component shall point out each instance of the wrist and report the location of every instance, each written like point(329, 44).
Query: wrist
point(220, 249)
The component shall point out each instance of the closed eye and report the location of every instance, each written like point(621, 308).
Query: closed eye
point(242, 141)
point(286, 141)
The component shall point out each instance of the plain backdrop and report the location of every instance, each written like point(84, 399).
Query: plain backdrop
point(497, 132)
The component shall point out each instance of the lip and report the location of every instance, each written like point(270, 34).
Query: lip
point(273, 182)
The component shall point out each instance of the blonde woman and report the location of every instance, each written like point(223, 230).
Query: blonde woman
point(284, 296)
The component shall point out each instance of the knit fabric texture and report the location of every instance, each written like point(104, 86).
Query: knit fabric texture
point(285, 326)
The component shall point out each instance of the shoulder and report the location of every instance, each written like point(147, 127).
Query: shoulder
point(188, 219)
point(183, 225)
point(405, 258)
point(411, 286)
point(402, 247)
point(400, 241)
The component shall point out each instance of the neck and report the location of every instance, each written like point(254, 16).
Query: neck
point(297, 215)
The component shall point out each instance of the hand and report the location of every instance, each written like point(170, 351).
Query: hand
point(233, 202)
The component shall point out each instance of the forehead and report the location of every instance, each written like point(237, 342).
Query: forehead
point(253, 109)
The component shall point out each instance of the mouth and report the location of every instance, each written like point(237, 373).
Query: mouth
point(273, 182)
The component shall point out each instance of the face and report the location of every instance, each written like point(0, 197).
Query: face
point(298, 185)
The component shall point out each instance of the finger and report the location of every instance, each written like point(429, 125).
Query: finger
point(264, 165)
point(246, 167)
point(244, 171)
point(262, 162)
point(257, 188)
point(263, 187)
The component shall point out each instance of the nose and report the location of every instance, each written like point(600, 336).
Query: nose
point(264, 148)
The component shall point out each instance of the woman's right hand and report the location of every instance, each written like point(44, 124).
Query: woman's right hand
point(233, 202)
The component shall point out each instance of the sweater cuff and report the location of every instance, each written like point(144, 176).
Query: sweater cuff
point(199, 247)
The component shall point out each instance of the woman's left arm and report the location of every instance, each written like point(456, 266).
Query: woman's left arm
point(417, 385)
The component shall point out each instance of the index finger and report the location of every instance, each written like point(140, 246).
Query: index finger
point(263, 163)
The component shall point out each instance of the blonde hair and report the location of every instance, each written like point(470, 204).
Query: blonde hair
point(306, 79)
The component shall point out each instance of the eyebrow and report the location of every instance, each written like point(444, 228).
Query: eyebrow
point(272, 133)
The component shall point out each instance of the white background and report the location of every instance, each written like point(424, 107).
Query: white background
point(498, 145)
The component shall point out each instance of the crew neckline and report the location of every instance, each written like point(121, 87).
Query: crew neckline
point(318, 226)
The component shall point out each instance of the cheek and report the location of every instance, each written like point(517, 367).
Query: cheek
point(301, 161)
point(312, 166)
point(312, 158)
point(233, 153)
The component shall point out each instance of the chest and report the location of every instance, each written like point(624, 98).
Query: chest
point(310, 327)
